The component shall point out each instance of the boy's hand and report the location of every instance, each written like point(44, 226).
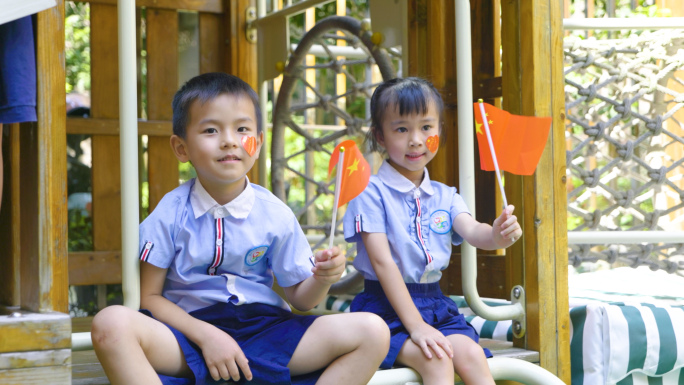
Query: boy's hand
point(428, 338)
point(329, 265)
point(224, 357)
point(506, 229)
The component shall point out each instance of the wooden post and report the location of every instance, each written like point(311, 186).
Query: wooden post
point(432, 29)
point(162, 84)
point(533, 86)
point(10, 219)
point(211, 42)
point(34, 347)
point(240, 55)
point(106, 169)
point(674, 125)
point(44, 277)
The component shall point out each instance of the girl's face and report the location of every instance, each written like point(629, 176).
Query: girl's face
point(404, 139)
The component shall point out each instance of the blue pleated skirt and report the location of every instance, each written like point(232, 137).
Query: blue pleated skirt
point(437, 310)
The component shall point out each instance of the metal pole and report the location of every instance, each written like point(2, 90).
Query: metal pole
point(466, 160)
point(130, 219)
point(624, 237)
point(263, 103)
point(502, 368)
point(128, 118)
point(290, 10)
point(616, 23)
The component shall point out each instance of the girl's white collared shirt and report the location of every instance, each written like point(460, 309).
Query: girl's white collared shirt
point(417, 222)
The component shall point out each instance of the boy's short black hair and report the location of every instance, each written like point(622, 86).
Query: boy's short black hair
point(206, 87)
point(411, 95)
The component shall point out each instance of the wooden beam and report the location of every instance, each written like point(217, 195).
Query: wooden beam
point(211, 43)
point(533, 86)
point(240, 54)
point(491, 271)
point(36, 359)
point(94, 267)
point(43, 145)
point(102, 126)
point(106, 170)
point(212, 6)
point(10, 217)
point(162, 83)
point(432, 29)
point(442, 75)
point(32, 331)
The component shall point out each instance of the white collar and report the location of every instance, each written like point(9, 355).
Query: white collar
point(239, 207)
point(392, 178)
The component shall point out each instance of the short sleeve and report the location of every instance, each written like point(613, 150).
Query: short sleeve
point(290, 258)
point(458, 206)
point(365, 213)
point(157, 236)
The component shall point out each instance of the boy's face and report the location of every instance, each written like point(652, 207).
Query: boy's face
point(214, 141)
point(409, 139)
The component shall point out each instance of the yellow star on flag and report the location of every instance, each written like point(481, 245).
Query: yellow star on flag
point(478, 127)
point(353, 167)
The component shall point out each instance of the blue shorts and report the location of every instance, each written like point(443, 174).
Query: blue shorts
point(268, 336)
point(17, 72)
point(437, 310)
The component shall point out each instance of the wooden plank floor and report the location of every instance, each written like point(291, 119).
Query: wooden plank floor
point(86, 370)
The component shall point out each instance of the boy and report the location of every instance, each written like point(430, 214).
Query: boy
point(210, 251)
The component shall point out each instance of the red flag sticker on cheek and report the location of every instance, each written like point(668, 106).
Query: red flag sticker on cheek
point(250, 144)
point(432, 143)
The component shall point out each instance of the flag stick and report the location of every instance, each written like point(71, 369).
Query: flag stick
point(338, 180)
point(491, 149)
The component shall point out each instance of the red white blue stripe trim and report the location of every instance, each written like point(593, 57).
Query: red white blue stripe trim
point(428, 257)
point(218, 248)
point(359, 226)
point(145, 253)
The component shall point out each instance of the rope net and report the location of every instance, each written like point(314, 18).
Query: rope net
point(625, 146)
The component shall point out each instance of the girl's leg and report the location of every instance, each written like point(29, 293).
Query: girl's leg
point(469, 361)
point(352, 346)
point(434, 371)
point(133, 347)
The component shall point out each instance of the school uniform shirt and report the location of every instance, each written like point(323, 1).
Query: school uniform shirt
point(226, 253)
point(417, 221)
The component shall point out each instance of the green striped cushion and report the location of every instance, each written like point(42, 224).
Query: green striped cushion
point(625, 343)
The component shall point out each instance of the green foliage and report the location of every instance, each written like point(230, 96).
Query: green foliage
point(77, 46)
point(80, 231)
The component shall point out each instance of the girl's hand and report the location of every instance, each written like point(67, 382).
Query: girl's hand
point(430, 339)
point(329, 265)
point(223, 356)
point(506, 229)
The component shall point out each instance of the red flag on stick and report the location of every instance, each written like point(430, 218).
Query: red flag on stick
point(355, 171)
point(518, 140)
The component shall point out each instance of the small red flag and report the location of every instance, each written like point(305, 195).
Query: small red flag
point(355, 171)
point(518, 140)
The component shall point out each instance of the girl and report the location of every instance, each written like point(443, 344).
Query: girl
point(404, 225)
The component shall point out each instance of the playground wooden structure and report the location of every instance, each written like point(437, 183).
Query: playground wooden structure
point(35, 330)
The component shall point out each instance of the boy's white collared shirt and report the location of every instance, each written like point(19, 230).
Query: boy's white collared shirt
point(420, 236)
point(239, 207)
point(257, 235)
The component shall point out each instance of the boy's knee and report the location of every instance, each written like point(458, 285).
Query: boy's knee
point(376, 328)
point(110, 324)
